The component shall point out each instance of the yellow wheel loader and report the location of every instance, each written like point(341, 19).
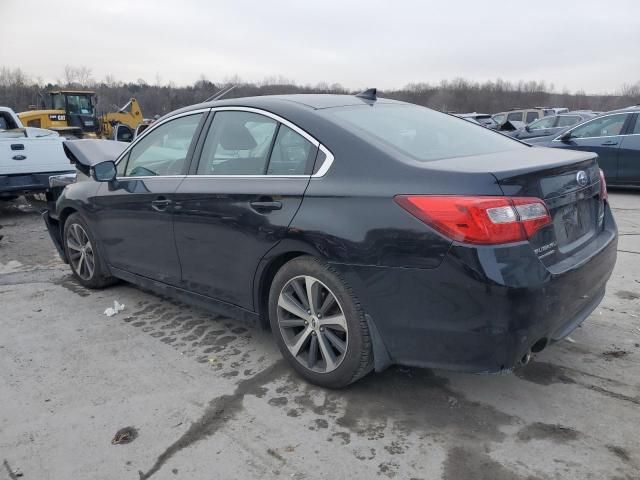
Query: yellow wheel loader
point(73, 114)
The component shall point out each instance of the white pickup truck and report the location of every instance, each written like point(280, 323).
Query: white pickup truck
point(28, 157)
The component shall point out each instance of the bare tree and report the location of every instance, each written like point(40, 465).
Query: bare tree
point(18, 91)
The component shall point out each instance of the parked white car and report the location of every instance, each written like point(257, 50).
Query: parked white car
point(28, 156)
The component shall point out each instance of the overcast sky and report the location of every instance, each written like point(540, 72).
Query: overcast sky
point(580, 44)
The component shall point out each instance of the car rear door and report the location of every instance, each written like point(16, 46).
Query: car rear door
point(135, 216)
point(629, 155)
point(239, 199)
point(601, 135)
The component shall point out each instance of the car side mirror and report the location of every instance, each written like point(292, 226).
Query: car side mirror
point(566, 137)
point(104, 171)
point(527, 128)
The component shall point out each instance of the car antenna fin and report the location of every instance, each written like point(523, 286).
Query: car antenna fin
point(219, 94)
point(369, 94)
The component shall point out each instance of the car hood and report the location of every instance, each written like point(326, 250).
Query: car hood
point(85, 153)
point(40, 132)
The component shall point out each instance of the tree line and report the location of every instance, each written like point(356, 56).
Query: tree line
point(21, 92)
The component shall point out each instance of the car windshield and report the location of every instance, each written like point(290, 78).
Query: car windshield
point(499, 118)
point(422, 133)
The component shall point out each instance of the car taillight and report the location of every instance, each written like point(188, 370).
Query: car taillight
point(604, 195)
point(479, 220)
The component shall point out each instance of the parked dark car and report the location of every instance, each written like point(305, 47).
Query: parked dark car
point(614, 136)
point(548, 126)
point(365, 231)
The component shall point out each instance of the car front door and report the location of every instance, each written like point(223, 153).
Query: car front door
point(629, 156)
point(238, 201)
point(134, 215)
point(601, 135)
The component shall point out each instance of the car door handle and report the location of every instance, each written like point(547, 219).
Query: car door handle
point(161, 204)
point(19, 157)
point(609, 143)
point(17, 146)
point(266, 205)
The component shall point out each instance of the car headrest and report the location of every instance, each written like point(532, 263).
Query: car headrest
point(236, 136)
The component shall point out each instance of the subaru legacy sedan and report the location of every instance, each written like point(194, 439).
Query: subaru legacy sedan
point(364, 231)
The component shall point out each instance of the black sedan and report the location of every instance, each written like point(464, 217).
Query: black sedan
point(364, 231)
point(614, 136)
point(549, 126)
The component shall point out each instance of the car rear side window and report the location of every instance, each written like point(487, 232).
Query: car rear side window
point(238, 143)
point(515, 117)
point(163, 151)
point(420, 132)
point(291, 153)
point(567, 120)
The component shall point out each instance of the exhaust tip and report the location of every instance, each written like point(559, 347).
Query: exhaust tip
point(540, 345)
point(525, 358)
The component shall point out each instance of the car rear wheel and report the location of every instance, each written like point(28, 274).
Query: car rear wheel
point(319, 324)
point(83, 255)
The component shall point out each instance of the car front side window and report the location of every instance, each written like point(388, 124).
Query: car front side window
point(162, 151)
point(545, 122)
point(608, 126)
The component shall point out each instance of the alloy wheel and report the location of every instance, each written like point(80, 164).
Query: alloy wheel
point(81, 254)
point(312, 324)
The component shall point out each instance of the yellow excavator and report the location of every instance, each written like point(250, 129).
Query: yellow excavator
point(73, 114)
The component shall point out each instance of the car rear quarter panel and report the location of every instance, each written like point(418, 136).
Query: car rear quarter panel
point(350, 215)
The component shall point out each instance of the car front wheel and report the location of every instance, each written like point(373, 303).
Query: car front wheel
point(83, 254)
point(319, 324)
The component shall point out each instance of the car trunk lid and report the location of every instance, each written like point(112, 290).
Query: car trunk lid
point(567, 181)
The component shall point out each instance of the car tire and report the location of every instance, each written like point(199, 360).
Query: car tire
point(83, 254)
point(333, 348)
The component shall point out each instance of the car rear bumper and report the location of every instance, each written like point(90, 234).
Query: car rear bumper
point(483, 308)
point(28, 182)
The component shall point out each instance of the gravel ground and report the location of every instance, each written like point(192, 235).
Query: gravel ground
point(206, 397)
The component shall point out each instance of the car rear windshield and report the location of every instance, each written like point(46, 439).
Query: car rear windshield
point(422, 133)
